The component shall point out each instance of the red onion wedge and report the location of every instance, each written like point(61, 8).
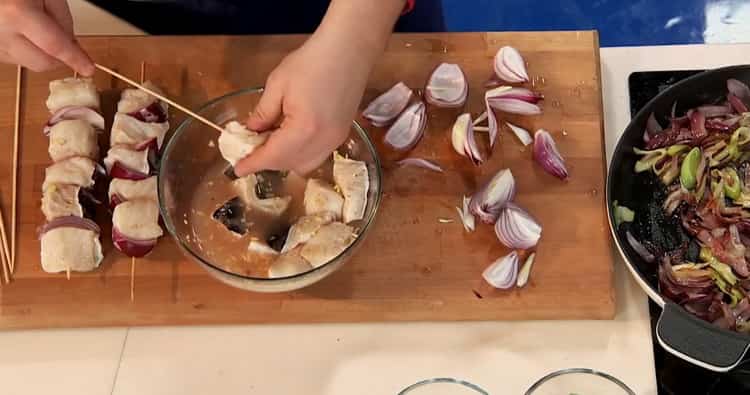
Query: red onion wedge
point(510, 66)
point(387, 106)
point(514, 101)
point(738, 88)
point(515, 228)
point(408, 129)
point(463, 139)
point(502, 273)
point(423, 163)
point(132, 247)
point(523, 135)
point(447, 86)
point(70, 221)
point(490, 200)
point(465, 215)
point(523, 275)
point(123, 172)
point(547, 155)
point(75, 112)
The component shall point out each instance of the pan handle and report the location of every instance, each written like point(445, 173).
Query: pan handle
point(686, 337)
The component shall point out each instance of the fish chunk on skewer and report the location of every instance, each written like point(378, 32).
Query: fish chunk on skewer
point(71, 92)
point(70, 244)
point(70, 138)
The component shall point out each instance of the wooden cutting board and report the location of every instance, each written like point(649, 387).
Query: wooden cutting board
point(411, 267)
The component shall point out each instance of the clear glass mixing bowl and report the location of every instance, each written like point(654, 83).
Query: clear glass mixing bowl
point(187, 156)
point(579, 381)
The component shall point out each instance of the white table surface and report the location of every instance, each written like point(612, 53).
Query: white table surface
point(345, 359)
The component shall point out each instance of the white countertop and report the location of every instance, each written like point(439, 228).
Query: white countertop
point(345, 359)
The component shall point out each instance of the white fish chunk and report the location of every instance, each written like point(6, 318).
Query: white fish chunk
point(320, 197)
point(72, 92)
point(137, 219)
point(74, 171)
point(304, 229)
point(289, 264)
point(237, 142)
point(274, 206)
point(134, 189)
point(352, 178)
point(73, 138)
point(127, 130)
point(69, 248)
point(127, 157)
point(327, 243)
point(61, 201)
point(133, 99)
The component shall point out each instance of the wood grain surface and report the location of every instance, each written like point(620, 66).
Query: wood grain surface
point(411, 267)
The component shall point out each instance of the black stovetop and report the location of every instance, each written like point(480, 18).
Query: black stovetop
point(675, 376)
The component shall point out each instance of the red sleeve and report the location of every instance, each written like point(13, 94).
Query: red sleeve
point(409, 6)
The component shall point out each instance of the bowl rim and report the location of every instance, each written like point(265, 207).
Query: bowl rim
point(171, 143)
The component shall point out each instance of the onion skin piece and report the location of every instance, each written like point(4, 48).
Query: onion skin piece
point(386, 107)
point(510, 66)
point(408, 129)
point(131, 247)
point(422, 163)
point(502, 273)
point(525, 272)
point(516, 229)
point(547, 155)
point(457, 85)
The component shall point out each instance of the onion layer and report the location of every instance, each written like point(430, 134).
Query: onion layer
point(70, 221)
point(75, 112)
point(423, 163)
point(515, 228)
point(547, 155)
point(463, 139)
point(510, 66)
point(514, 100)
point(490, 200)
point(447, 86)
point(503, 272)
point(387, 106)
point(522, 134)
point(465, 215)
point(408, 129)
point(523, 275)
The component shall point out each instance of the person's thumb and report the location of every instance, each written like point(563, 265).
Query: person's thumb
point(268, 111)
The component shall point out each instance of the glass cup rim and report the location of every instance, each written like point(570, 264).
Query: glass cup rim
point(444, 380)
point(588, 371)
point(171, 143)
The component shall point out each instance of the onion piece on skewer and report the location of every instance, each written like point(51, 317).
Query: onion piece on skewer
point(387, 106)
point(93, 117)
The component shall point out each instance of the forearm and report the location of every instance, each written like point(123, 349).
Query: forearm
point(361, 26)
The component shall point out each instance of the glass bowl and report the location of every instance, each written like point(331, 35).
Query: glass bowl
point(579, 381)
point(188, 155)
point(443, 386)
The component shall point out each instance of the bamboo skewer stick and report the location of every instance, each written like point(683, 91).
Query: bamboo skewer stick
point(5, 251)
point(161, 97)
point(132, 279)
point(14, 213)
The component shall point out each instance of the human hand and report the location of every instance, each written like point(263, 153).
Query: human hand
point(38, 34)
point(313, 95)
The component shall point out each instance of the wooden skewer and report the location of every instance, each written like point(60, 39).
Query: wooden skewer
point(67, 272)
point(14, 214)
point(75, 74)
point(132, 279)
point(152, 93)
point(5, 251)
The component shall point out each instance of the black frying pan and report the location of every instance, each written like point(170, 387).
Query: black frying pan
point(678, 331)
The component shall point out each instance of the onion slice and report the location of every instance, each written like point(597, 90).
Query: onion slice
point(523, 275)
point(75, 112)
point(387, 106)
point(423, 163)
point(714, 111)
point(463, 139)
point(123, 172)
point(515, 228)
point(408, 129)
point(467, 219)
point(493, 196)
point(510, 66)
point(738, 88)
point(640, 248)
point(547, 155)
point(514, 100)
point(447, 86)
point(70, 221)
point(132, 247)
point(503, 272)
point(522, 134)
